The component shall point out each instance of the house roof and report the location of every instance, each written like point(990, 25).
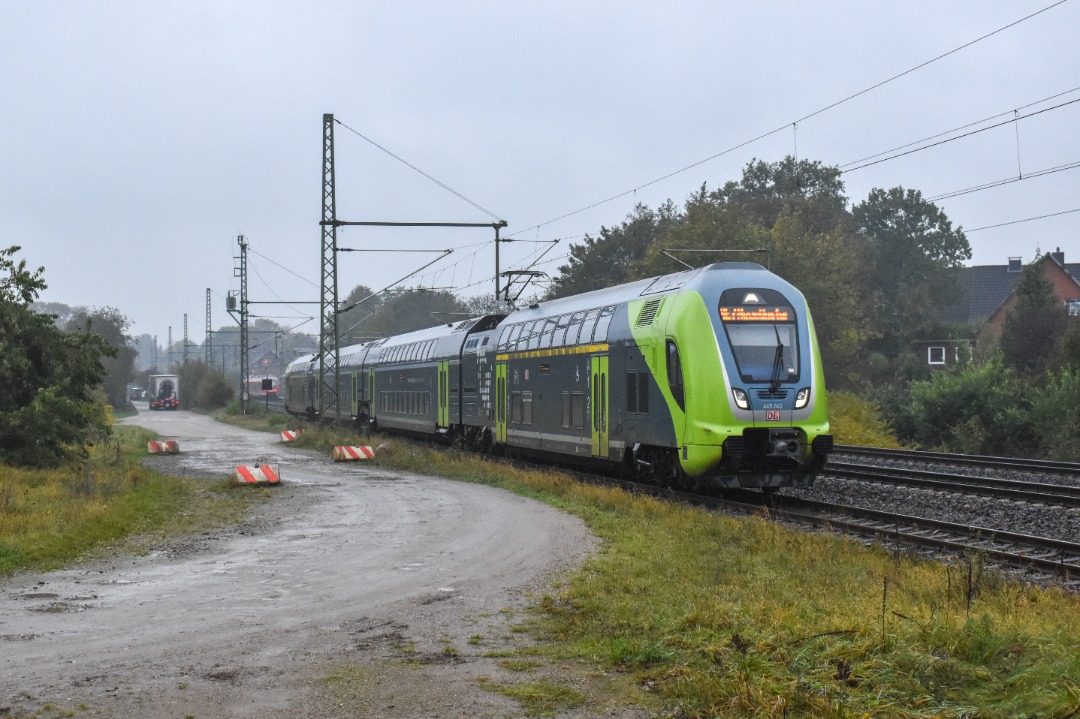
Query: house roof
point(985, 287)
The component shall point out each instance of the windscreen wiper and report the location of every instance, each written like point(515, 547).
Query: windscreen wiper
point(778, 362)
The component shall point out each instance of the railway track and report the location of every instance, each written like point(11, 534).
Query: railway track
point(1042, 558)
point(1019, 490)
point(1041, 555)
point(970, 460)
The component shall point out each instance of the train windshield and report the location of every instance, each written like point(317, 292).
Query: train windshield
point(760, 326)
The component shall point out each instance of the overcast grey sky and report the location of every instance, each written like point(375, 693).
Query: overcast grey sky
point(140, 138)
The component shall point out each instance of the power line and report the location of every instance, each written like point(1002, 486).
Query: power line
point(1017, 222)
point(1007, 181)
point(1013, 120)
point(305, 279)
point(408, 164)
point(1010, 113)
point(786, 125)
point(933, 60)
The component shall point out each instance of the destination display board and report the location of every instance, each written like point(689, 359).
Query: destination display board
point(756, 314)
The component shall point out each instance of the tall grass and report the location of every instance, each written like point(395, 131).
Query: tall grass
point(50, 517)
point(720, 616)
point(742, 617)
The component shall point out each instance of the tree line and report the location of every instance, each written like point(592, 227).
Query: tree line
point(875, 272)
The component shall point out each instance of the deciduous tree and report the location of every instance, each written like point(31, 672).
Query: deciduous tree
point(912, 249)
point(49, 405)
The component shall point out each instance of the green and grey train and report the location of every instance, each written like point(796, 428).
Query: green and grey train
point(709, 376)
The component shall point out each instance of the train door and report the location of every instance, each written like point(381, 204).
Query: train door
point(500, 402)
point(373, 401)
point(357, 389)
point(444, 394)
point(599, 388)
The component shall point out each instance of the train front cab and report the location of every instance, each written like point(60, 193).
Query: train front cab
point(743, 414)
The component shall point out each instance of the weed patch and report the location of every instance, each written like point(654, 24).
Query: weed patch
point(713, 615)
point(50, 517)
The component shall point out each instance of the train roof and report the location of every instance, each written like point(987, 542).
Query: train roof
point(619, 294)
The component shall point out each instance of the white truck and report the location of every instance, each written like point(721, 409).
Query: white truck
point(164, 391)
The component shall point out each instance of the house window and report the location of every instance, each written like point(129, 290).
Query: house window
point(935, 355)
point(1073, 307)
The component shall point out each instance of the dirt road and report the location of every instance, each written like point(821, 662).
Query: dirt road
point(346, 566)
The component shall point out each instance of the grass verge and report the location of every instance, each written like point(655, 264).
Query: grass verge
point(50, 517)
point(711, 615)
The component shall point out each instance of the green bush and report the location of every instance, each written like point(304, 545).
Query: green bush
point(978, 409)
point(1056, 415)
point(858, 421)
point(214, 392)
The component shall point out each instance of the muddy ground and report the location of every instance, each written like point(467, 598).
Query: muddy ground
point(353, 592)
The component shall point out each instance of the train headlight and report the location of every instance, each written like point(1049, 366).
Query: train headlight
point(742, 400)
point(802, 397)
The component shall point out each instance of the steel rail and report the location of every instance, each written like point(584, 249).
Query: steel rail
point(1058, 494)
point(1028, 465)
point(1026, 551)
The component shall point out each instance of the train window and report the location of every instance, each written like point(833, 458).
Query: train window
point(587, 326)
point(515, 407)
point(526, 408)
point(562, 323)
point(511, 341)
point(675, 374)
point(504, 338)
point(637, 392)
point(577, 410)
point(573, 329)
point(534, 336)
point(523, 338)
point(602, 323)
point(549, 332)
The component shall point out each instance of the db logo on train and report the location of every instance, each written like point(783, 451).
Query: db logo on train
point(772, 415)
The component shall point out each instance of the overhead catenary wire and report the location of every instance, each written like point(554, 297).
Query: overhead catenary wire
point(786, 125)
point(1009, 113)
point(1015, 119)
point(1026, 219)
point(413, 167)
point(1006, 181)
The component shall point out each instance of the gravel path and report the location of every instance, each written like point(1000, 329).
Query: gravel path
point(296, 612)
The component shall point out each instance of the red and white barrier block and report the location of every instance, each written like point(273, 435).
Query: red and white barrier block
point(291, 435)
point(166, 446)
point(345, 453)
point(259, 474)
